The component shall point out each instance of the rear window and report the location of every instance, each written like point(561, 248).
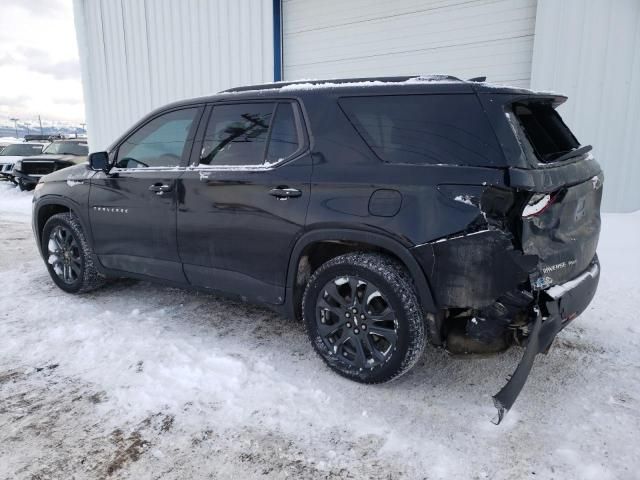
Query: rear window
point(544, 130)
point(425, 129)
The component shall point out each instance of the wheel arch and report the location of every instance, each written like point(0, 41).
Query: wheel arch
point(45, 208)
point(353, 240)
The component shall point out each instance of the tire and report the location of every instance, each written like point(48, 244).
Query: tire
point(68, 255)
point(389, 323)
point(24, 186)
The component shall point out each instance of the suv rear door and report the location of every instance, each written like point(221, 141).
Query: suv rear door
point(243, 202)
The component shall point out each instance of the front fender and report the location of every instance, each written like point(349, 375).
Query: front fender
point(77, 204)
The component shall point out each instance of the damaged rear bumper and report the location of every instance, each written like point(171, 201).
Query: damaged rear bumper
point(556, 307)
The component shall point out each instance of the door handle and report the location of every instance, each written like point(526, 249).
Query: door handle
point(159, 188)
point(283, 193)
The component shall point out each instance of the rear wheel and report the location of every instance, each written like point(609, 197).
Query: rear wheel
point(68, 255)
point(363, 317)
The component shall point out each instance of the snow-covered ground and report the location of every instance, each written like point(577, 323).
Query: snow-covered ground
point(143, 381)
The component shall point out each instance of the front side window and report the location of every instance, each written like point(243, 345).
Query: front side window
point(159, 143)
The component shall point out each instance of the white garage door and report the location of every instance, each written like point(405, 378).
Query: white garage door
point(340, 38)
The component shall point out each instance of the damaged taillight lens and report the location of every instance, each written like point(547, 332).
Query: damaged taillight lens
point(538, 203)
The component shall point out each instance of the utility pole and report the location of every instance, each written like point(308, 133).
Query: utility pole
point(15, 124)
point(27, 124)
point(40, 120)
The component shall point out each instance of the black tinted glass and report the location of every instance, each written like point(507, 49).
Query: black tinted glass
point(67, 148)
point(22, 149)
point(545, 130)
point(424, 129)
point(160, 143)
point(237, 134)
point(284, 135)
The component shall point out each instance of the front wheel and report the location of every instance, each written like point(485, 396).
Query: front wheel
point(363, 317)
point(68, 255)
point(24, 186)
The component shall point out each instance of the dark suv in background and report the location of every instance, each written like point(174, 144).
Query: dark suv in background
point(56, 156)
point(387, 213)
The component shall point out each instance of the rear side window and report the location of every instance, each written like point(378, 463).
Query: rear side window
point(237, 134)
point(250, 134)
point(544, 129)
point(424, 129)
point(284, 134)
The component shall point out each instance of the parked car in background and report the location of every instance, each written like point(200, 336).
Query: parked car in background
point(15, 152)
point(43, 138)
point(385, 213)
point(4, 141)
point(58, 155)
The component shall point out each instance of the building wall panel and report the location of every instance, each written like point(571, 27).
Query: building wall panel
point(139, 55)
point(590, 50)
point(466, 38)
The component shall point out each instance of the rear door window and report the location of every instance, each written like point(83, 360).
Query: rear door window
point(250, 134)
point(237, 134)
point(284, 140)
point(424, 129)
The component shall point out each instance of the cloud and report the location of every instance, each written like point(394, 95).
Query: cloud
point(16, 102)
point(37, 7)
point(39, 66)
point(39, 61)
point(66, 100)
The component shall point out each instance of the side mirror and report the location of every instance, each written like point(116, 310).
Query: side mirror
point(99, 161)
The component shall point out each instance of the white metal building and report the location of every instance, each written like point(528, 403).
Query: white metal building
point(136, 56)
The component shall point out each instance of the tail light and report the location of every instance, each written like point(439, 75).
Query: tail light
point(538, 203)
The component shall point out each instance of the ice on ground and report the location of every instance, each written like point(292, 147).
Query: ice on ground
point(142, 381)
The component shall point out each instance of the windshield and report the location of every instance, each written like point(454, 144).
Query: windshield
point(21, 150)
point(67, 148)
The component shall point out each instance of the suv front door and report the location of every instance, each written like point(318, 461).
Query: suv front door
point(245, 198)
point(133, 208)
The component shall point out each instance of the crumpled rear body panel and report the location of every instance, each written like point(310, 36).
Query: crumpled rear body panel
point(565, 236)
point(474, 270)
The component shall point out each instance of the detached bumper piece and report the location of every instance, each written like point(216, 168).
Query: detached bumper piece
point(555, 308)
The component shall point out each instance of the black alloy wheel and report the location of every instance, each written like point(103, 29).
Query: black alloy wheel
point(64, 255)
point(356, 321)
point(68, 255)
point(363, 317)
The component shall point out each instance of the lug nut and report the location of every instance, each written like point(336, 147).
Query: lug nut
point(363, 326)
point(348, 325)
point(362, 316)
point(347, 314)
point(354, 310)
point(369, 312)
point(355, 330)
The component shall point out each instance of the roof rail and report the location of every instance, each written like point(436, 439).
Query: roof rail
point(478, 79)
point(397, 79)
